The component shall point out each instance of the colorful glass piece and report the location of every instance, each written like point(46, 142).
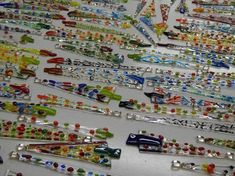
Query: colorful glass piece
point(130, 79)
point(206, 168)
point(96, 92)
point(83, 131)
point(227, 143)
point(225, 128)
point(53, 165)
point(15, 91)
point(160, 145)
point(95, 152)
point(150, 11)
point(31, 131)
point(22, 108)
point(165, 8)
point(54, 100)
point(139, 7)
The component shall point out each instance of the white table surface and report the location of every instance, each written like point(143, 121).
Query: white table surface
point(131, 163)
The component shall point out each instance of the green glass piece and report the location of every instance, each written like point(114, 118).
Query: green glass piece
point(62, 135)
point(70, 47)
point(66, 125)
point(44, 111)
point(26, 39)
point(136, 57)
point(100, 133)
point(114, 153)
point(44, 131)
point(30, 60)
point(111, 95)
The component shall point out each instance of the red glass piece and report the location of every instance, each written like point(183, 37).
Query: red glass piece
point(181, 20)
point(56, 134)
point(164, 146)
point(54, 71)
point(22, 88)
point(69, 23)
point(208, 109)
point(70, 169)
point(161, 137)
point(51, 33)
point(226, 116)
point(81, 154)
point(63, 8)
point(55, 165)
point(47, 53)
point(77, 125)
point(9, 123)
point(20, 129)
point(210, 169)
point(28, 72)
point(71, 137)
point(58, 17)
point(201, 148)
point(42, 96)
point(173, 110)
point(33, 119)
point(28, 157)
point(92, 132)
point(55, 123)
point(155, 106)
point(212, 165)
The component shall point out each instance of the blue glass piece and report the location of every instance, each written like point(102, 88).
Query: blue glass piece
point(96, 91)
point(48, 163)
point(82, 85)
point(91, 94)
point(62, 167)
point(103, 161)
point(63, 34)
point(84, 8)
point(139, 139)
point(184, 101)
point(146, 21)
point(139, 79)
point(7, 5)
point(115, 15)
point(182, 10)
point(47, 15)
point(232, 83)
point(220, 64)
point(52, 82)
point(90, 173)
point(21, 110)
point(99, 11)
